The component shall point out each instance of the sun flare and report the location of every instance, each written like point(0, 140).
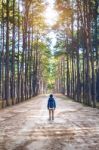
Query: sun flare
point(50, 15)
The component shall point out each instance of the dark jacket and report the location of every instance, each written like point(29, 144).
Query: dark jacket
point(51, 103)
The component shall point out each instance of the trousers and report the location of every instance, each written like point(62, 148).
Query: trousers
point(51, 114)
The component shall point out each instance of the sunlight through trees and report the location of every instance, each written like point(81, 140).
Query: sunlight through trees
point(25, 51)
point(30, 65)
point(77, 49)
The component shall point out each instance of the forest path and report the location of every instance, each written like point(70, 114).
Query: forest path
point(26, 126)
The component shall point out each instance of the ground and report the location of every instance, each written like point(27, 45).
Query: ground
point(26, 126)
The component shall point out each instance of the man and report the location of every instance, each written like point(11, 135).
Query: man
point(51, 107)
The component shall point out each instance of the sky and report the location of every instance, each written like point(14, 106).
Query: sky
point(51, 17)
point(50, 14)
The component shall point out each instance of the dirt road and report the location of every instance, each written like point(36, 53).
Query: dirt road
point(26, 126)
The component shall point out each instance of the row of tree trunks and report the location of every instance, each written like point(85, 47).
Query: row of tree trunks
point(82, 51)
point(18, 57)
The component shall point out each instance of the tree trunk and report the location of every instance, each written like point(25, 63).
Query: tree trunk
point(7, 78)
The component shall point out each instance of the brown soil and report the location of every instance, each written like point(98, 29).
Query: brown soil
point(26, 126)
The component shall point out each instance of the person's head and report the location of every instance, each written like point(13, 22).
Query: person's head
point(51, 95)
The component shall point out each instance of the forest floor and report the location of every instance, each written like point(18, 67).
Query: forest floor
point(26, 126)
